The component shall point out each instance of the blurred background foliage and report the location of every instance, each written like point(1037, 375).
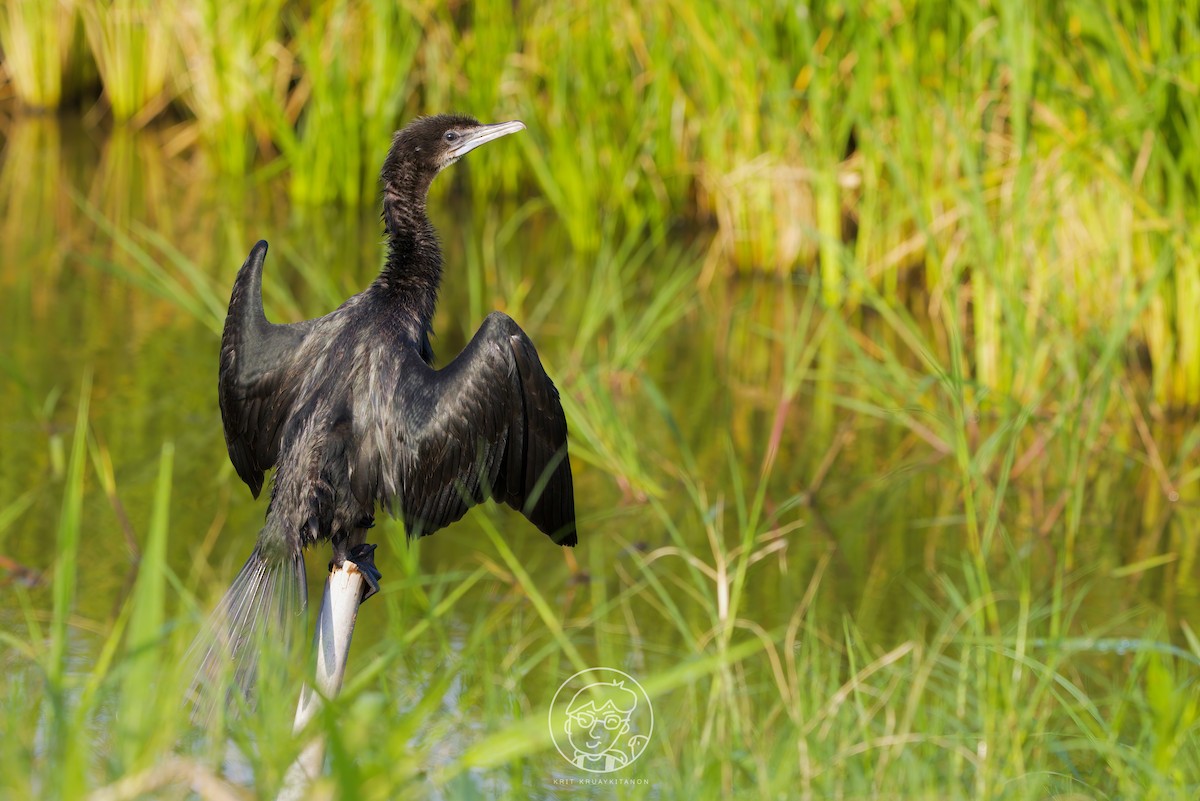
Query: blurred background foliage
point(875, 325)
point(997, 151)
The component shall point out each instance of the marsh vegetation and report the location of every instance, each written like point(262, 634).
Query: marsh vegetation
point(875, 329)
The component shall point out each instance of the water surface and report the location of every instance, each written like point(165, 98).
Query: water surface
point(851, 479)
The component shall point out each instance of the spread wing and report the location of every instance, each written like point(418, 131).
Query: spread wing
point(489, 424)
point(257, 382)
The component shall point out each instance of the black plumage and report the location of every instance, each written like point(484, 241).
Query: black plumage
point(351, 413)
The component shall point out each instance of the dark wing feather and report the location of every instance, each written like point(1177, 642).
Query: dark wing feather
point(489, 424)
point(256, 384)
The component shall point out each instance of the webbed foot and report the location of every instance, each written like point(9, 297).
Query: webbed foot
point(363, 556)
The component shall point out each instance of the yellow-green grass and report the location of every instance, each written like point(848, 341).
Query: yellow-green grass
point(909, 522)
point(982, 694)
point(36, 38)
point(989, 152)
point(131, 42)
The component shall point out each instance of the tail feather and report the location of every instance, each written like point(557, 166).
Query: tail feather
point(263, 609)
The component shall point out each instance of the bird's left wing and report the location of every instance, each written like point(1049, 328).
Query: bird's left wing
point(258, 381)
point(489, 424)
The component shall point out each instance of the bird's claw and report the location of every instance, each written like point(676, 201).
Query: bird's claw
point(363, 556)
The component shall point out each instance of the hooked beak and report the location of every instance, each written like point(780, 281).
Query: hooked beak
point(482, 135)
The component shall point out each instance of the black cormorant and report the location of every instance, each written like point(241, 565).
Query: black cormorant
point(351, 413)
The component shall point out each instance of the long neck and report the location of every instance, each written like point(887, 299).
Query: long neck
point(413, 270)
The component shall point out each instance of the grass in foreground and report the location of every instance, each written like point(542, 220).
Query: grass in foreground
point(763, 686)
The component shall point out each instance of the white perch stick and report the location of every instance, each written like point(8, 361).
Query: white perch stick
point(335, 626)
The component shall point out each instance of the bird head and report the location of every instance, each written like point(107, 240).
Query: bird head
point(430, 144)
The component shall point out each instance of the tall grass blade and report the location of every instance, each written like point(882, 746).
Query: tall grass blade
point(145, 637)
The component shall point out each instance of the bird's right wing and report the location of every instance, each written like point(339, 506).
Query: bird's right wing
point(489, 424)
point(258, 380)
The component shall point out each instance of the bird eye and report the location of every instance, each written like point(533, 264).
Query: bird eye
point(451, 136)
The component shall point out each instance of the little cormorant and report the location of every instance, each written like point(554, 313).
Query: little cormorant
point(351, 413)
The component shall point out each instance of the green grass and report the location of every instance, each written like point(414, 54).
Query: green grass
point(354, 61)
point(993, 151)
point(1014, 670)
point(985, 694)
point(36, 40)
point(232, 67)
point(131, 44)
